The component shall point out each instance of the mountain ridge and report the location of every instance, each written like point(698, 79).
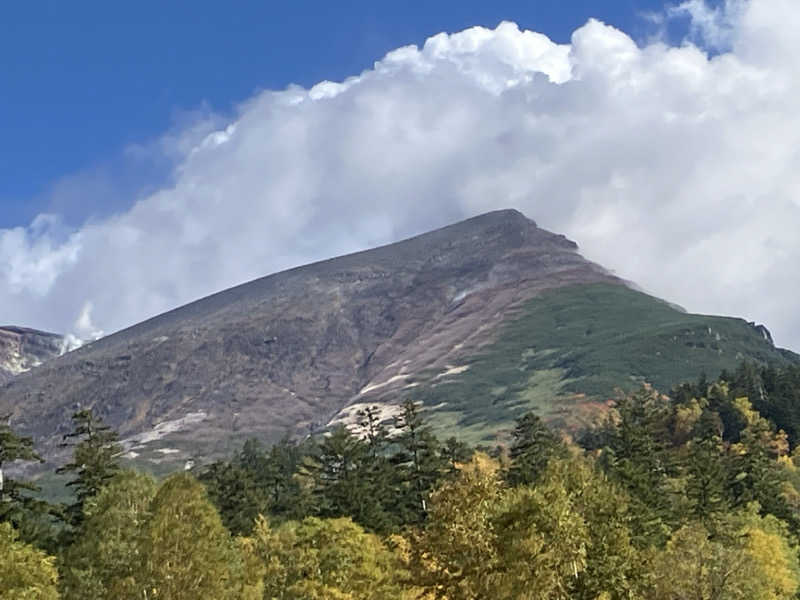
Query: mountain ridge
point(296, 350)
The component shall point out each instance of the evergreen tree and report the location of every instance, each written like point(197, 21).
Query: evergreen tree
point(532, 447)
point(341, 486)
point(95, 460)
point(17, 506)
point(638, 459)
point(278, 477)
point(382, 478)
point(235, 494)
point(455, 452)
point(419, 459)
point(374, 430)
point(756, 474)
point(707, 477)
point(721, 400)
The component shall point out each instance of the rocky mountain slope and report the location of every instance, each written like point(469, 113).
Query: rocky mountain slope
point(22, 349)
point(480, 320)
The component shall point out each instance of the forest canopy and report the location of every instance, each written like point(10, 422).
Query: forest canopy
point(693, 494)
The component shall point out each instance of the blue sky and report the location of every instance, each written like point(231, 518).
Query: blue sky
point(81, 81)
point(153, 153)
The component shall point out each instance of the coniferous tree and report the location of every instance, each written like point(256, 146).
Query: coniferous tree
point(340, 485)
point(13, 500)
point(533, 446)
point(287, 497)
point(235, 494)
point(419, 458)
point(756, 474)
point(258, 481)
point(381, 477)
point(707, 477)
point(455, 453)
point(638, 459)
point(374, 430)
point(95, 460)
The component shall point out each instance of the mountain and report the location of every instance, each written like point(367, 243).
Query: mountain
point(480, 320)
point(21, 349)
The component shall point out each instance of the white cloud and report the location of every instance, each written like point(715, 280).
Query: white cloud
point(678, 170)
point(715, 27)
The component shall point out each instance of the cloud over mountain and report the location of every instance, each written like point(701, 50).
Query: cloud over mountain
point(678, 169)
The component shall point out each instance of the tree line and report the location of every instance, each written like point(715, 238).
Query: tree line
point(691, 495)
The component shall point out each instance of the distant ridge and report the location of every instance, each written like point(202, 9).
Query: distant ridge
point(22, 348)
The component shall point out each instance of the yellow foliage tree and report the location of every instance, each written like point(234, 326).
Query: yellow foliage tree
point(186, 552)
point(101, 563)
point(325, 559)
point(749, 558)
point(25, 572)
point(455, 556)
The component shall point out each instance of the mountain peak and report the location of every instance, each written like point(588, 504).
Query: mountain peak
point(290, 350)
point(298, 350)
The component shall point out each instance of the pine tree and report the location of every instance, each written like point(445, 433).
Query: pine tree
point(455, 453)
point(235, 494)
point(374, 430)
point(95, 460)
point(31, 516)
point(381, 477)
point(756, 474)
point(708, 475)
point(277, 475)
point(419, 458)
point(533, 446)
point(337, 469)
point(637, 458)
point(13, 447)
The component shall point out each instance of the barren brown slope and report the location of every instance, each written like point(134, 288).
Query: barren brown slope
point(21, 349)
point(287, 352)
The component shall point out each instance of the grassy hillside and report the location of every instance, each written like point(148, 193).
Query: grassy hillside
point(574, 346)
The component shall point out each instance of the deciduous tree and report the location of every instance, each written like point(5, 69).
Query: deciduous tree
point(186, 552)
point(25, 572)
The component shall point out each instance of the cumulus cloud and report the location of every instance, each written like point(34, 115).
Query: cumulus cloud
point(677, 168)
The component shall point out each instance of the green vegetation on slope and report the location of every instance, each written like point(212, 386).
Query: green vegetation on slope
point(588, 341)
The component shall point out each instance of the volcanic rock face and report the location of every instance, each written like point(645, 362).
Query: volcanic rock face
point(22, 349)
point(288, 352)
